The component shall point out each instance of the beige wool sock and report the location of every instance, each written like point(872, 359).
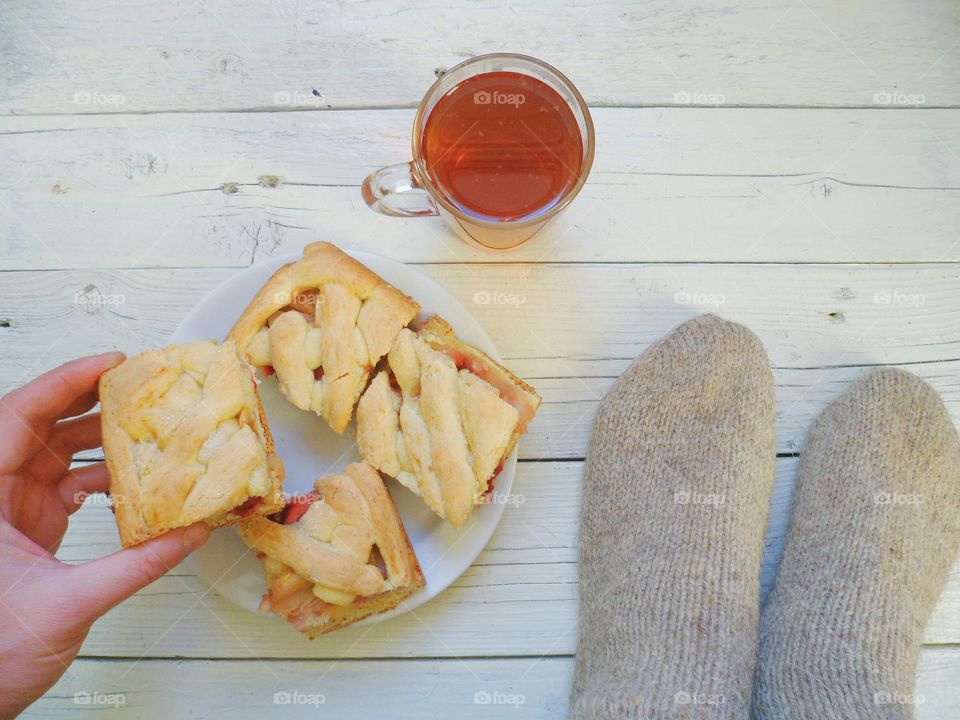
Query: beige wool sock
point(675, 499)
point(874, 531)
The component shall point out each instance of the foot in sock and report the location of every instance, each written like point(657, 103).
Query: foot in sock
point(873, 534)
point(675, 500)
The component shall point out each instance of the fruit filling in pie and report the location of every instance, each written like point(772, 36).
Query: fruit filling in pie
point(441, 418)
point(335, 555)
point(320, 325)
point(185, 440)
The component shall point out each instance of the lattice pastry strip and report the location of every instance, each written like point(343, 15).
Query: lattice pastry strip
point(320, 324)
point(441, 419)
point(185, 440)
point(336, 555)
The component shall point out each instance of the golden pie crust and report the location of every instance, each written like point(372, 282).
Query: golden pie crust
point(322, 323)
point(441, 418)
point(185, 440)
point(346, 558)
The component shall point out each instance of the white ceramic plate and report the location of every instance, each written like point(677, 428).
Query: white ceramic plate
point(309, 448)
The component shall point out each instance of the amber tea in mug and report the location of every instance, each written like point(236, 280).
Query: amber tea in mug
point(501, 144)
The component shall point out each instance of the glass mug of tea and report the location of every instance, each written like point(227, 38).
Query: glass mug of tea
point(501, 144)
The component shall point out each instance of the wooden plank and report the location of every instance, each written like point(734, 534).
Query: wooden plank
point(578, 327)
point(417, 689)
point(248, 54)
point(526, 578)
point(678, 185)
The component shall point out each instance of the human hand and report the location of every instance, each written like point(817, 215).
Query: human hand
point(47, 607)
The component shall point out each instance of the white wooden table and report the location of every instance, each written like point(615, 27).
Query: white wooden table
point(792, 165)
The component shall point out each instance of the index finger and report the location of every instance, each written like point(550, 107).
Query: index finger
point(52, 394)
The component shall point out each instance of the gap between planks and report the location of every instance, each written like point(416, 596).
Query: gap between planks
point(541, 263)
point(268, 109)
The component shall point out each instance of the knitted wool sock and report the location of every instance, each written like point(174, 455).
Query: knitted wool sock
point(875, 529)
point(675, 500)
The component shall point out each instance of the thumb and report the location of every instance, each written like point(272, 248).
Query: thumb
point(96, 587)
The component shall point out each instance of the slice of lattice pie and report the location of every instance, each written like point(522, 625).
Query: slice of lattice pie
point(321, 324)
point(442, 418)
point(336, 555)
point(185, 440)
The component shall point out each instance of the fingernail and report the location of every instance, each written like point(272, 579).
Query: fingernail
point(195, 536)
point(114, 356)
point(120, 356)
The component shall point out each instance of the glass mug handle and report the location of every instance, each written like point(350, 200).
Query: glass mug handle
point(395, 190)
